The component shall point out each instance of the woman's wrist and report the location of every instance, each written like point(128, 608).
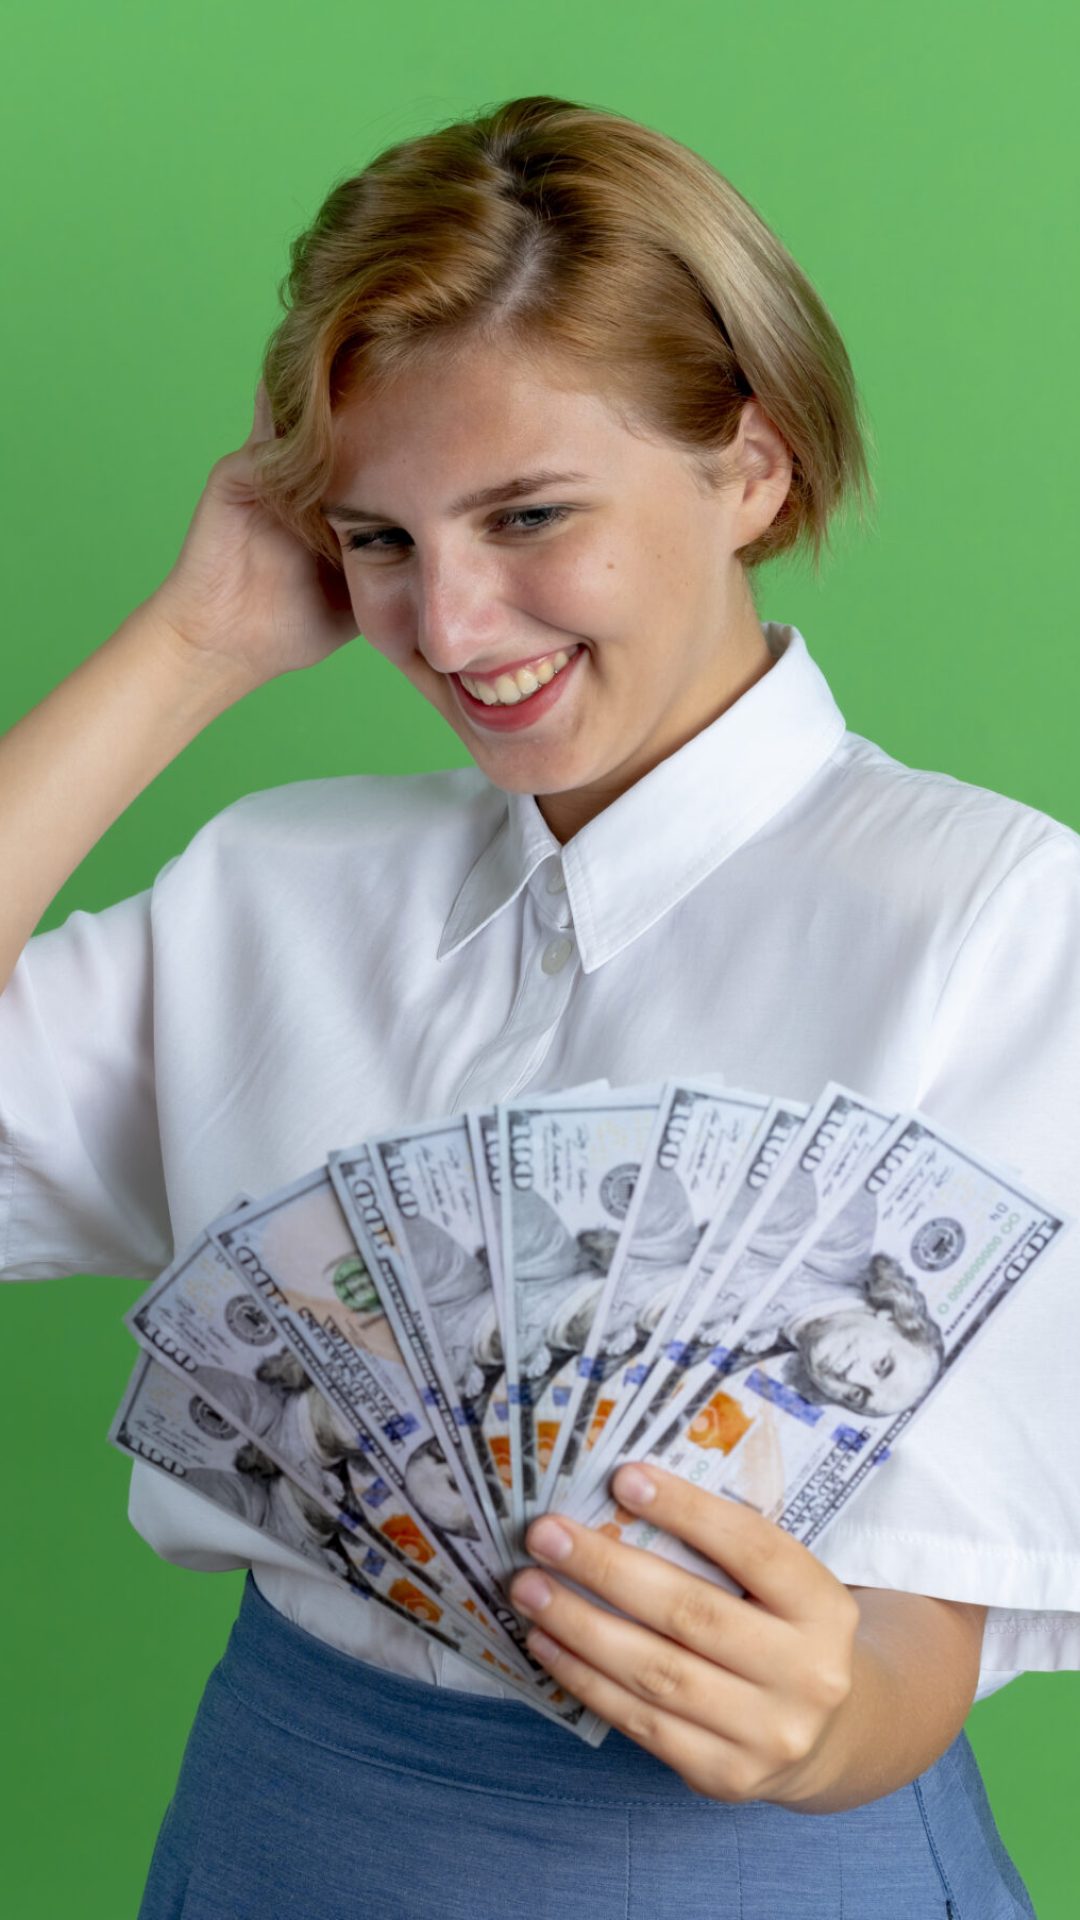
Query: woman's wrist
point(189, 685)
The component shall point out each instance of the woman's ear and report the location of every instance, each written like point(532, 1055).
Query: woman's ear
point(766, 463)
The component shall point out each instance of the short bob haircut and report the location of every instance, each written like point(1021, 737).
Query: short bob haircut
point(558, 229)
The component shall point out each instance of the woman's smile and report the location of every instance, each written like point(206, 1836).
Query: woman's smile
point(518, 679)
point(515, 700)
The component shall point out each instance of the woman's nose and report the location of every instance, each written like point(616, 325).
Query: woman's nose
point(452, 647)
point(460, 623)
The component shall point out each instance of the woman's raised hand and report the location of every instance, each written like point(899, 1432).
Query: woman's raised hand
point(244, 590)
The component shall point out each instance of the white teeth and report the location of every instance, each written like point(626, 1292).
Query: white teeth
point(509, 688)
point(479, 690)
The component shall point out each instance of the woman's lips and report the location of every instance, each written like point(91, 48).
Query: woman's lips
point(524, 712)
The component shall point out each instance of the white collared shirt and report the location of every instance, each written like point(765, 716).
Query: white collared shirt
point(778, 903)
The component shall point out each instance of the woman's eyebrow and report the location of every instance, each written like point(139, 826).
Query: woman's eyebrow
point(469, 502)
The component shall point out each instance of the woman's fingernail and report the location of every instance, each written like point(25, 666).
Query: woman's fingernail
point(531, 1592)
point(548, 1541)
point(543, 1648)
point(632, 1487)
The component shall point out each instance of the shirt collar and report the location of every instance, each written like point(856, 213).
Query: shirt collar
point(638, 858)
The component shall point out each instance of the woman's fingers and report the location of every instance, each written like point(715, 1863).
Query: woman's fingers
point(733, 1690)
point(778, 1571)
point(699, 1616)
point(752, 1634)
point(652, 1668)
point(704, 1759)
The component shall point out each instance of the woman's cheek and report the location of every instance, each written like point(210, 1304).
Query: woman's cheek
point(381, 613)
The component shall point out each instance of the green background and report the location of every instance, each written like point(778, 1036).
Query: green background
point(920, 165)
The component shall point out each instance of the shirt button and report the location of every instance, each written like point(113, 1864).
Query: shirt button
point(556, 881)
point(555, 955)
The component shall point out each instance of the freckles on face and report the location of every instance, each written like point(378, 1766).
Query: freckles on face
point(634, 580)
point(465, 595)
point(498, 602)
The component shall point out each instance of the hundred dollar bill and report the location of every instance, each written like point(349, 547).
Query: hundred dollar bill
point(552, 1396)
point(701, 1132)
point(448, 1297)
point(496, 1436)
point(201, 1319)
point(482, 1124)
point(571, 1165)
point(295, 1250)
point(820, 1377)
point(741, 1257)
point(163, 1422)
point(483, 1128)
point(763, 1157)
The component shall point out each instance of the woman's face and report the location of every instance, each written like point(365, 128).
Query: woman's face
point(634, 582)
point(860, 1359)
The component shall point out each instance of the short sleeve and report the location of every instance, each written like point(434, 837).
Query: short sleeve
point(1003, 1062)
point(81, 1183)
point(981, 1501)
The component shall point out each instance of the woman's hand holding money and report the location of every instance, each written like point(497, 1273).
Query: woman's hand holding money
point(801, 1691)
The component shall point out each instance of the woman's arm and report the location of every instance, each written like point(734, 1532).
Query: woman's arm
point(79, 758)
point(244, 602)
point(801, 1691)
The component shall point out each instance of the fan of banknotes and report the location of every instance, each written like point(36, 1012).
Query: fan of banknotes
point(392, 1364)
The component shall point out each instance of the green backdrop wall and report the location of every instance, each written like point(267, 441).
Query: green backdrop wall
point(919, 163)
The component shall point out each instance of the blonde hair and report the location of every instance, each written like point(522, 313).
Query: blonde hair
point(566, 230)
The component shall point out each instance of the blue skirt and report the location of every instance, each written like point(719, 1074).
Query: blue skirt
point(315, 1786)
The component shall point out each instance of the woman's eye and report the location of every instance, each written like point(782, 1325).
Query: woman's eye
point(363, 542)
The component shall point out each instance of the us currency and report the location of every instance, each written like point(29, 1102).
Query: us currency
point(482, 1125)
point(741, 1256)
point(701, 1133)
point(764, 1155)
point(297, 1253)
point(483, 1129)
point(456, 1274)
point(366, 1206)
point(571, 1166)
point(161, 1421)
point(201, 1319)
point(823, 1374)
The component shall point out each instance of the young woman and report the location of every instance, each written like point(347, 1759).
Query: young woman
point(546, 393)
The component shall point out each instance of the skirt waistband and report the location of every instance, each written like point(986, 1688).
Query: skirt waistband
point(291, 1677)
